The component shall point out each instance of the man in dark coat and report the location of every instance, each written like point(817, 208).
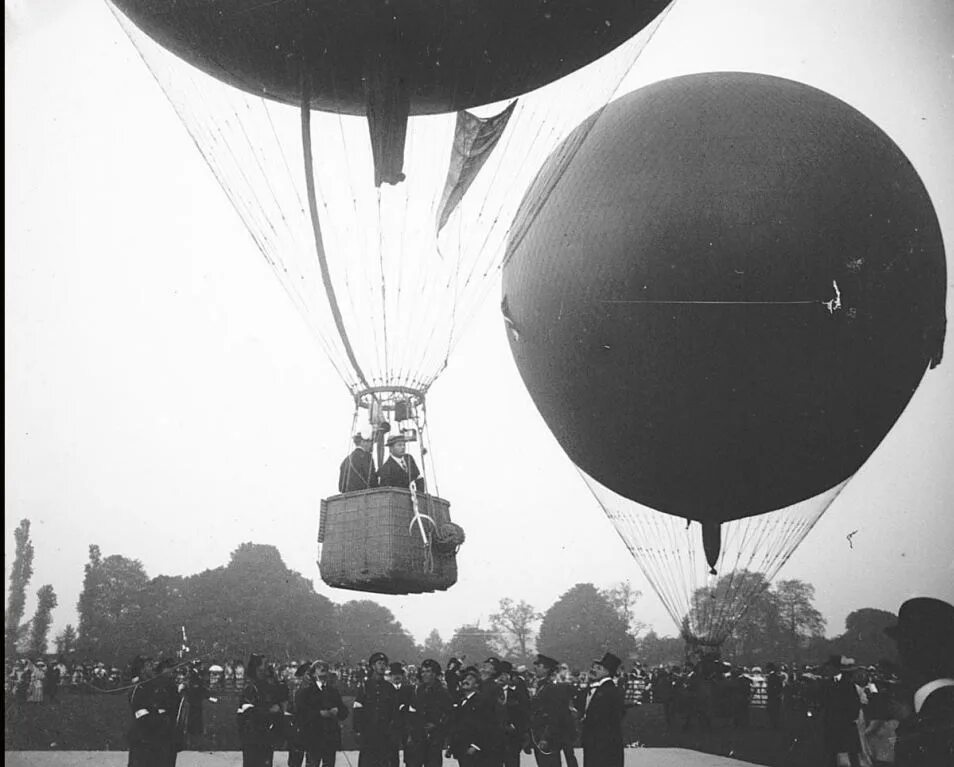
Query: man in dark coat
point(925, 638)
point(400, 469)
point(551, 721)
point(427, 719)
point(473, 738)
point(840, 708)
point(376, 716)
point(319, 711)
point(603, 716)
point(259, 716)
point(357, 471)
point(195, 692)
point(773, 696)
point(516, 702)
point(151, 736)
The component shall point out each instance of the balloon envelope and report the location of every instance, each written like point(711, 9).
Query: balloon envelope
point(445, 55)
point(725, 299)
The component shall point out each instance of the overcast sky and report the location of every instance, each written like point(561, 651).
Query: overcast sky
point(165, 401)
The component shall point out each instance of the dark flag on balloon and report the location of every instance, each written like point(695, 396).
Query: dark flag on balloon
point(474, 140)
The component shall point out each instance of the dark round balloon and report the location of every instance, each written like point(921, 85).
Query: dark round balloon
point(667, 293)
point(448, 54)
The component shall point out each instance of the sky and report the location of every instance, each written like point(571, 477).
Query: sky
point(164, 400)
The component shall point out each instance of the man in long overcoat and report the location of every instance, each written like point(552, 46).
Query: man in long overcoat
point(603, 716)
point(551, 722)
point(427, 719)
point(925, 638)
point(376, 718)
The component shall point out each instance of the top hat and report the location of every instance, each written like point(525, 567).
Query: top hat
point(396, 668)
point(610, 662)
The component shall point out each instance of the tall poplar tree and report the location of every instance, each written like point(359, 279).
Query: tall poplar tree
point(19, 579)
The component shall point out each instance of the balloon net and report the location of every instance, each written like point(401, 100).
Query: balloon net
point(669, 550)
point(386, 277)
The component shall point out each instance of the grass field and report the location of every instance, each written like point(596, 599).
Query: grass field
point(98, 723)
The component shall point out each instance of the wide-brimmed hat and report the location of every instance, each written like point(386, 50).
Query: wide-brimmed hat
point(610, 662)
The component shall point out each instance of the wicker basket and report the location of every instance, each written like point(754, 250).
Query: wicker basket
point(367, 544)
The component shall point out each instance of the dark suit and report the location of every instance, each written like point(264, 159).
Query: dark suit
point(926, 739)
point(394, 474)
point(357, 472)
point(602, 726)
point(551, 722)
point(427, 720)
point(152, 735)
point(376, 723)
point(474, 724)
point(517, 707)
point(840, 733)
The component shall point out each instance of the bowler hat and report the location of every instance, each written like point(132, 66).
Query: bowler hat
point(924, 616)
point(546, 661)
point(396, 668)
point(610, 662)
point(376, 656)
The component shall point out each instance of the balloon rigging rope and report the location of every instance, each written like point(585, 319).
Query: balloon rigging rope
point(316, 226)
point(196, 128)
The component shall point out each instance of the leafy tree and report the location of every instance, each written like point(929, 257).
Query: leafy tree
point(582, 625)
point(19, 579)
point(110, 613)
point(255, 604)
point(40, 625)
point(434, 647)
point(366, 627)
point(799, 619)
point(472, 644)
point(513, 624)
point(655, 650)
point(65, 641)
point(864, 638)
point(624, 597)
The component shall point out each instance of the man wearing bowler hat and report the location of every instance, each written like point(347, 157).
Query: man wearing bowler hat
point(400, 469)
point(603, 716)
point(925, 639)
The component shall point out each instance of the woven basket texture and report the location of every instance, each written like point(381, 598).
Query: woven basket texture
point(367, 544)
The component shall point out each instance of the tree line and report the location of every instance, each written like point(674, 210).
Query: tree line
point(255, 602)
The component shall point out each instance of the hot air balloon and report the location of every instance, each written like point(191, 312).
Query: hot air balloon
point(720, 305)
point(369, 153)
